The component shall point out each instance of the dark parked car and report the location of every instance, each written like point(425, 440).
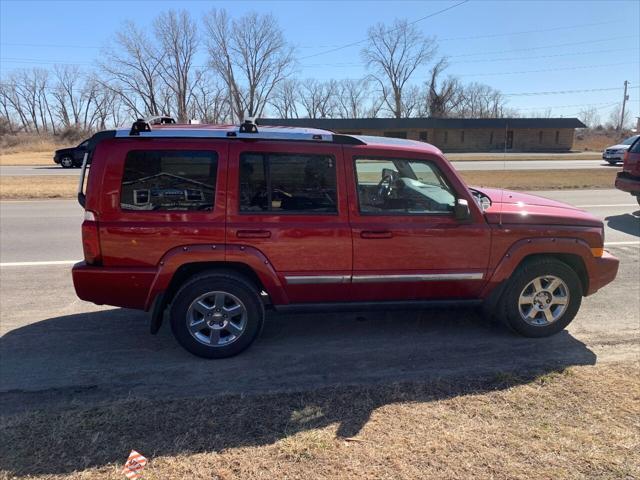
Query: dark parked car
point(628, 180)
point(71, 157)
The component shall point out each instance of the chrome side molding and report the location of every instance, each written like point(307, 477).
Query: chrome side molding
point(421, 277)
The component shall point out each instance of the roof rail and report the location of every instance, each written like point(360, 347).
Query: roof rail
point(247, 130)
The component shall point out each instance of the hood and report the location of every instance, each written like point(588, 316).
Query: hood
point(618, 147)
point(523, 208)
point(65, 150)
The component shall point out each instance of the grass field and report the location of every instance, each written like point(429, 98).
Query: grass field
point(43, 187)
point(581, 422)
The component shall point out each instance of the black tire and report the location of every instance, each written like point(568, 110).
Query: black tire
point(235, 286)
point(612, 162)
point(508, 307)
point(66, 161)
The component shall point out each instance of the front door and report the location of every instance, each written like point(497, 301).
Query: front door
point(407, 244)
point(289, 202)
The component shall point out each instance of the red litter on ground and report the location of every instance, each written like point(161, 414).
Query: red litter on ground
point(134, 466)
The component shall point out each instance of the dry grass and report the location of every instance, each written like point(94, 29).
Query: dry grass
point(542, 180)
point(34, 157)
point(578, 423)
point(598, 140)
point(38, 187)
point(496, 156)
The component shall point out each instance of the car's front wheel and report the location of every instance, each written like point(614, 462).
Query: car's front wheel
point(612, 162)
point(217, 314)
point(66, 161)
point(542, 298)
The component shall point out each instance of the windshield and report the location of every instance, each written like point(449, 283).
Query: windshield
point(629, 140)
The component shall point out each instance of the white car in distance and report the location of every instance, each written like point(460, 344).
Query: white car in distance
point(615, 153)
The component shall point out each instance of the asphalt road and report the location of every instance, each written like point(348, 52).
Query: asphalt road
point(56, 349)
point(460, 165)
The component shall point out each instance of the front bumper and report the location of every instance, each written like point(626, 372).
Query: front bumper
point(120, 287)
point(602, 271)
point(613, 156)
point(628, 183)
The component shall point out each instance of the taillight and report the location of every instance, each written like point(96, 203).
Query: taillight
point(625, 157)
point(91, 238)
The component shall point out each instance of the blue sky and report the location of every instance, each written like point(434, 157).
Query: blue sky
point(515, 46)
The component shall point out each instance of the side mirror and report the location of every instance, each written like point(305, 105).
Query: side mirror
point(461, 209)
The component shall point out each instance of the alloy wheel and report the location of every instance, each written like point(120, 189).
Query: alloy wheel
point(216, 319)
point(544, 300)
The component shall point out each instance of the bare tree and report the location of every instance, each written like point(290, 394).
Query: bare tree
point(252, 57)
point(210, 102)
point(352, 96)
point(443, 96)
point(615, 120)
point(177, 34)
point(133, 70)
point(589, 116)
point(394, 54)
point(285, 98)
point(481, 101)
point(318, 98)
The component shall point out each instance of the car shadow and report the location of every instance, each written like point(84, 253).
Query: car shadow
point(626, 222)
point(300, 375)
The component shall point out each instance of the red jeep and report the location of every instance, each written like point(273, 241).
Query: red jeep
point(218, 223)
point(628, 180)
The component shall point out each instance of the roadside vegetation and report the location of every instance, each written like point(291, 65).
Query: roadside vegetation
point(580, 422)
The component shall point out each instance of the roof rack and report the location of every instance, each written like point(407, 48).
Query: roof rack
point(247, 130)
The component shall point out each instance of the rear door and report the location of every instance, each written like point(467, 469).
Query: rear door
point(407, 245)
point(161, 194)
point(288, 200)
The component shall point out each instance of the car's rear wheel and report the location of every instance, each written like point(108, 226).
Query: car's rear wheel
point(217, 315)
point(542, 298)
point(66, 161)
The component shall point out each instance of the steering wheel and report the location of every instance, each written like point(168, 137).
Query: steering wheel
point(385, 186)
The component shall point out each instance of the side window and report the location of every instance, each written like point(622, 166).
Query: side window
point(635, 147)
point(398, 186)
point(287, 183)
point(162, 180)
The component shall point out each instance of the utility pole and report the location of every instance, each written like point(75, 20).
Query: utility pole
point(624, 102)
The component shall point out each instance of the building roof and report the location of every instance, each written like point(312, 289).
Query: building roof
point(425, 122)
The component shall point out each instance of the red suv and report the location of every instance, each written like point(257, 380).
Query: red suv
point(218, 223)
point(628, 180)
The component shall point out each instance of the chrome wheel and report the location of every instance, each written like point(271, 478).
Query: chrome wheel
point(66, 162)
point(544, 300)
point(216, 319)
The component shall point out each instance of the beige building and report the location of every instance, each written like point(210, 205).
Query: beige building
point(456, 134)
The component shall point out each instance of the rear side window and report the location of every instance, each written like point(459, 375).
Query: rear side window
point(161, 180)
point(287, 183)
point(635, 148)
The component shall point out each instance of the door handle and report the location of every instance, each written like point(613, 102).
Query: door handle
point(376, 234)
point(253, 234)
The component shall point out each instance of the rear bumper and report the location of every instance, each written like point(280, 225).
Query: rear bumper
point(120, 287)
point(602, 271)
point(628, 183)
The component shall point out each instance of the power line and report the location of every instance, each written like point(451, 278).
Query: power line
point(557, 45)
point(600, 106)
point(580, 67)
point(359, 42)
point(508, 34)
point(571, 54)
point(561, 92)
